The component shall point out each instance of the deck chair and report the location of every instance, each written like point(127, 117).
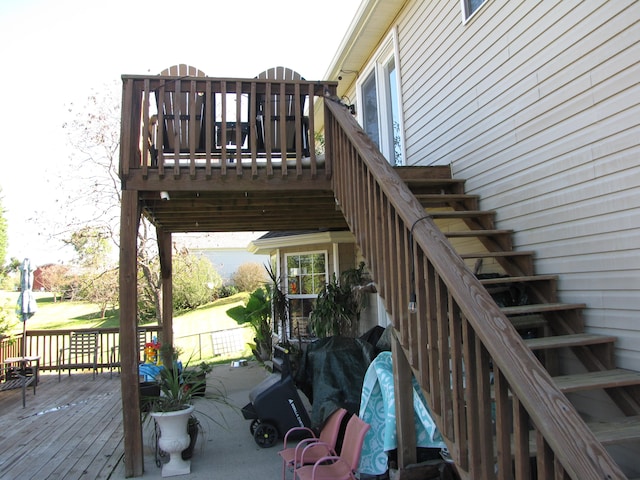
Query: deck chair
point(82, 352)
point(182, 114)
point(338, 467)
point(314, 446)
point(271, 136)
point(114, 355)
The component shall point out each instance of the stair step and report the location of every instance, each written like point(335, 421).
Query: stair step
point(611, 432)
point(477, 233)
point(617, 431)
point(501, 253)
point(597, 380)
point(560, 341)
point(461, 214)
point(541, 308)
point(520, 279)
point(525, 322)
point(445, 199)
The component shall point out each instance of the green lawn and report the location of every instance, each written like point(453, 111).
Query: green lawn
point(67, 314)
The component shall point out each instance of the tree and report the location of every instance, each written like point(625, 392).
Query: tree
point(249, 276)
point(99, 281)
point(94, 133)
point(256, 312)
point(3, 237)
point(55, 279)
point(194, 281)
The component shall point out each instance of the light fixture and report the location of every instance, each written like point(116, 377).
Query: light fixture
point(164, 195)
point(413, 303)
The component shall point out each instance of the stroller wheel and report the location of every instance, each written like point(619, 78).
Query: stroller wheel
point(253, 425)
point(265, 435)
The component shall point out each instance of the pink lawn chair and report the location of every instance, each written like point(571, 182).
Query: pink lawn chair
point(337, 467)
point(314, 447)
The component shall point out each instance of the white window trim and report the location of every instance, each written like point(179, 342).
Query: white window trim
point(286, 272)
point(388, 48)
point(467, 18)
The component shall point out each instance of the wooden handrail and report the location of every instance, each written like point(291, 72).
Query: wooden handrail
point(464, 352)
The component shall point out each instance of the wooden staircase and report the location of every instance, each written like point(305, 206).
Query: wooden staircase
point(548, 326)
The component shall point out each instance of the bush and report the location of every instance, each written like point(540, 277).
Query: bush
point(249, 276)
point(226, 291)
point(194, 281)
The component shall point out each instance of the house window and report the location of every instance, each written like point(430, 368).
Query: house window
point(378, 93)
point(470, 6)
point(306, 277)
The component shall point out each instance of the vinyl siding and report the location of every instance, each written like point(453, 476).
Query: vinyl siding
point(537, 106)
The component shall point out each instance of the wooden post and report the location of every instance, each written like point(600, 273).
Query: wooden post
point(405, 422)
point(164, 252)
point(129, 221)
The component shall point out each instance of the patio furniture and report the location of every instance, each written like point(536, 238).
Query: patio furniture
point(25, 375)
point(270, 119)
point(338, 467)
point(313, 447)
point(82, 352)
point(181, 113)
point(114, 355)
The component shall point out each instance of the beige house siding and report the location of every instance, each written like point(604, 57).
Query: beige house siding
point(537, 105)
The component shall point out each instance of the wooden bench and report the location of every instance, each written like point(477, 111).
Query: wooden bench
point(82, 352)
point(26, 375)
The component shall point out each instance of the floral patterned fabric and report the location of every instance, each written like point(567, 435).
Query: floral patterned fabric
point(377, 408)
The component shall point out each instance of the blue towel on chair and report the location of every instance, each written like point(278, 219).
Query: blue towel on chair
point(377, 408)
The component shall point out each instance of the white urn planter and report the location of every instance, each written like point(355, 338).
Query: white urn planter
point(174, 438)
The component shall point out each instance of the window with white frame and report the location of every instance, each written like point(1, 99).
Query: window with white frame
point(470, 6)
point(380, 106)
point(306, 277)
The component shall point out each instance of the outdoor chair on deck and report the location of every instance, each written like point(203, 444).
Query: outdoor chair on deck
point(338, 467)
point(270, 121)
point(181, 116)
point(313, 447)
point(81, 353)
point(114, 356)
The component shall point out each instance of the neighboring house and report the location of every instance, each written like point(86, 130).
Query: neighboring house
point(537, 106)
point(225, 251)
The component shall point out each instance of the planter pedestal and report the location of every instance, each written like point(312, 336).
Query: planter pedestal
point(174, 439)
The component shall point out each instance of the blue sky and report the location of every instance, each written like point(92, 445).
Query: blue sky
point(56, 52)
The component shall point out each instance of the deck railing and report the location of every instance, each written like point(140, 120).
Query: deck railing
point(493, 402)
point(47, 343)
point(172, 125)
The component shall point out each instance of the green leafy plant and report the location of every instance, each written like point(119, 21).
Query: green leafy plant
point(256, 312)
point(338, 306)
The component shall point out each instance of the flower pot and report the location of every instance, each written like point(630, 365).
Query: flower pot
point(174, 439)
point(148, 392)
point(192, 429)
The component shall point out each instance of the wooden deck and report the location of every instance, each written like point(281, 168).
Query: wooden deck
point(73, 430)
point(70, 429)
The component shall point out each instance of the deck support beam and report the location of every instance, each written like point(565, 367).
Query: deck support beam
point(129, 378)
point(166, 275)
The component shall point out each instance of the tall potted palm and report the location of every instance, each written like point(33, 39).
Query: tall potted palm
point(172, 410)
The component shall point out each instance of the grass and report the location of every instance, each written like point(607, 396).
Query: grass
point(71, 314)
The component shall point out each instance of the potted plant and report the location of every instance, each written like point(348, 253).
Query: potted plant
point(338, 306)
point(195, 378)
point(173, 411)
